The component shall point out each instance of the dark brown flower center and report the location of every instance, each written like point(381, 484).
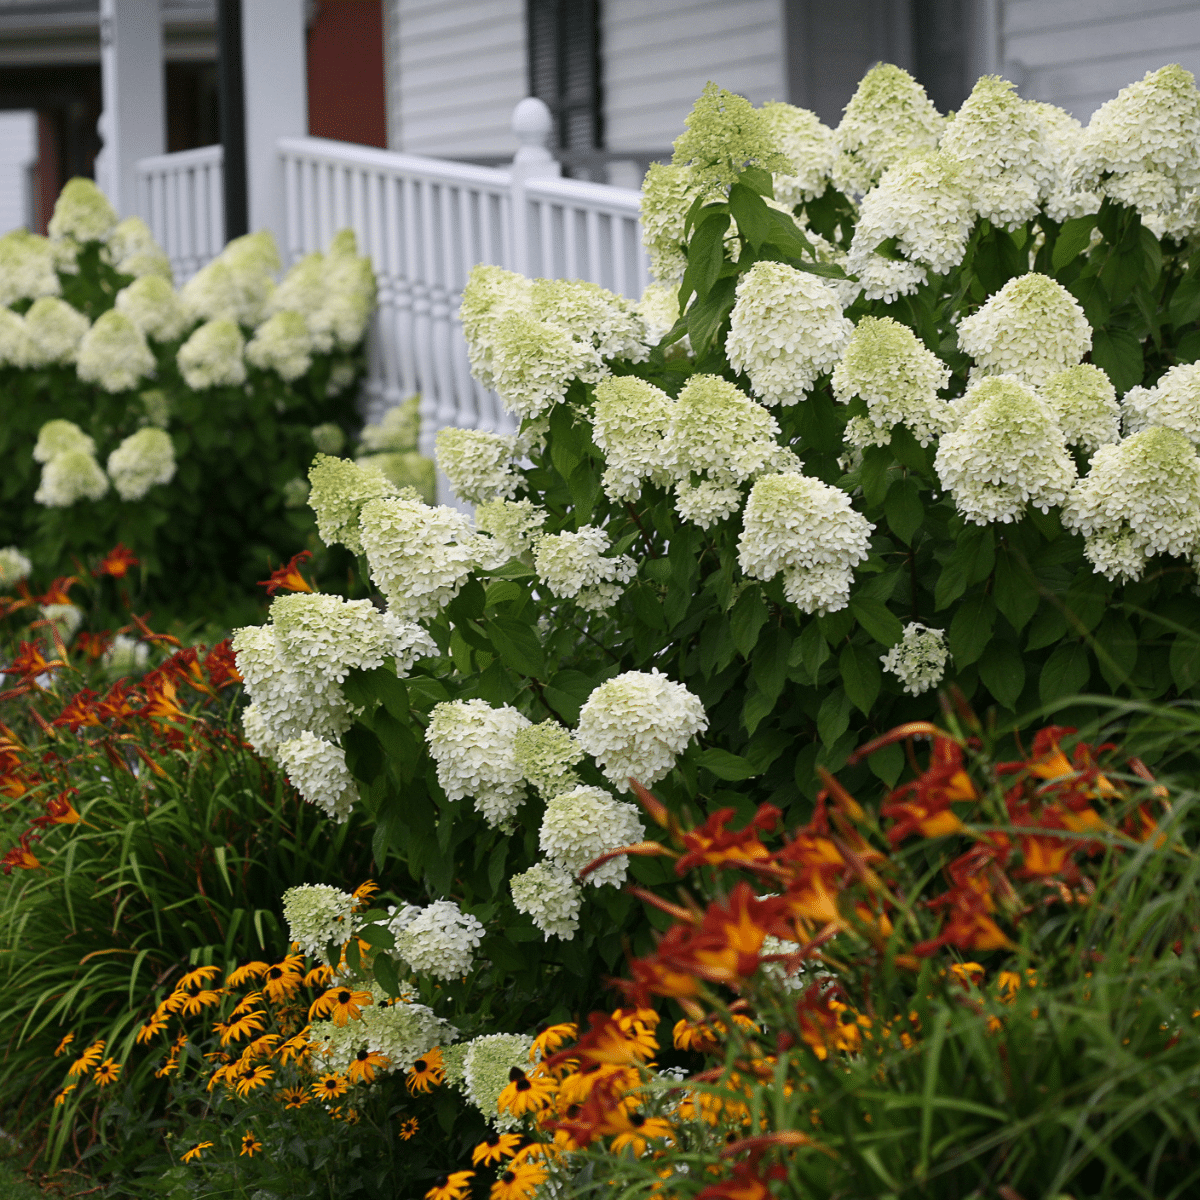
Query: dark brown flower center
point(637, 1120)
point(274, 973)
point(419, 1065)
point(516, 1075)
point(363, 1055)
point(508, 1177)
point(343, 997)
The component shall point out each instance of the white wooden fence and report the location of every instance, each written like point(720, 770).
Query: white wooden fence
point(180, 197)
point(425, 223)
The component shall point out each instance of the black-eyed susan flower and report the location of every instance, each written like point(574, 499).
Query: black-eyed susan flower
point(330, 1086)
point(519, 1183)
point(282, 980)
point(551, 1038)
point(408, 1129)
point(252, 1077)
point(639, 1131)
point(525, 1093)
point(195, 1004)
point(62, 1096)
point(153, 1027)
point(451, 1187)
point(496, 1149)
point(108, 1072)
point(297, 1047)
point(87, 1060)
point(427, 1071)
point(364, 1065)
point(246, 1004)
point(62, 1046)
point(247, 971)
point(261, 1047)
point(197, 978)
point(242, 1027)
point(293, 1097)
point(250, 1144)
point(169, 1067)
point(363, 893)
point(319, 976)
point(341, 1004)
point(195, 1152)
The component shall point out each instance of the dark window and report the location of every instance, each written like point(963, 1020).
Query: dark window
point(564, 71)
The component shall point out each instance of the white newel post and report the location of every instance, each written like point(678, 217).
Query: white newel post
point(131, 74)
point(276, 103)
point(533, 125)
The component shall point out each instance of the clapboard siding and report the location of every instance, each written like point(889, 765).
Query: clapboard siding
point(1080, 53)
point(658, 57)
point(458, 68)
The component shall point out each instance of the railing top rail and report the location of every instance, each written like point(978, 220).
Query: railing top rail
point(601, 196)
point(180, 159)
point(331, 151)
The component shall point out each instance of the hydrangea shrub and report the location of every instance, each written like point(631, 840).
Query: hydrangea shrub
point(174, 422)
point(928, 419)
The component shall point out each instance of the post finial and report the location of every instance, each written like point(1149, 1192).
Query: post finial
point(533, 125)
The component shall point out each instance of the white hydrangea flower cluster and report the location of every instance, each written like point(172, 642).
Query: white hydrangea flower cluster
point(132, 250)
point(515, 525)
point(592, 314)
point(630, 425)
point(473, 747)
point(82, 213)
point(66, 618)
point(923, 205)
point(533, 362)
point(317, 914)
point(545, 754)
point(1005, 453)
point(478, 464)
point(154, 306)
point(339, 490)
point(491, 293)
point(126, 656)
point(26, 268)
point(1084, 403)
point(808, 143)
point(897, 377)
point(14, 341)
point(439, 939)
point(659, 310)
point(584, 823)
point(550, 895)
point(1064, 137)
point(333, 293)
point(285, 702)
point(419, 556)
point(786, 329)
point(14, 567)
point(637, 724)
point(70, 471)
point(889, 119)
point(325, 637)
point(53, 331)
point(999, 142)
point(1174, 401)
point(318, 770)
point(667, 194)
point(918, 659)
point(1142, 149)
point(575, 566)
point(807, 530)
point(485, 1067)
point(141, 461)
point(282, 344)
point(1031, 328)
point(212, 356)
point(237, 284)
point(402, 1032)
point(720, 435)
point(113, 353)
point(1141, 497)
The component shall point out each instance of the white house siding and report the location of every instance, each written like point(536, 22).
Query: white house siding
point(457, 69)
point(1080, 53)
point(18, 152)
point(658, 56)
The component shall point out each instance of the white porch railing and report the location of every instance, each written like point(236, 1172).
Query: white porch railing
point(180, 197)
point(425, 223)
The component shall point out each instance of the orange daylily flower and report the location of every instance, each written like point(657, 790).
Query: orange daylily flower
point(288, 577)
point(117, 562)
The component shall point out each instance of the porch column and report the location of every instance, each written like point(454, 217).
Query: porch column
point(131, 75)
point(275, 80)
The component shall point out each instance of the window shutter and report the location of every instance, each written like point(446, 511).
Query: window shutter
point(564, 71)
